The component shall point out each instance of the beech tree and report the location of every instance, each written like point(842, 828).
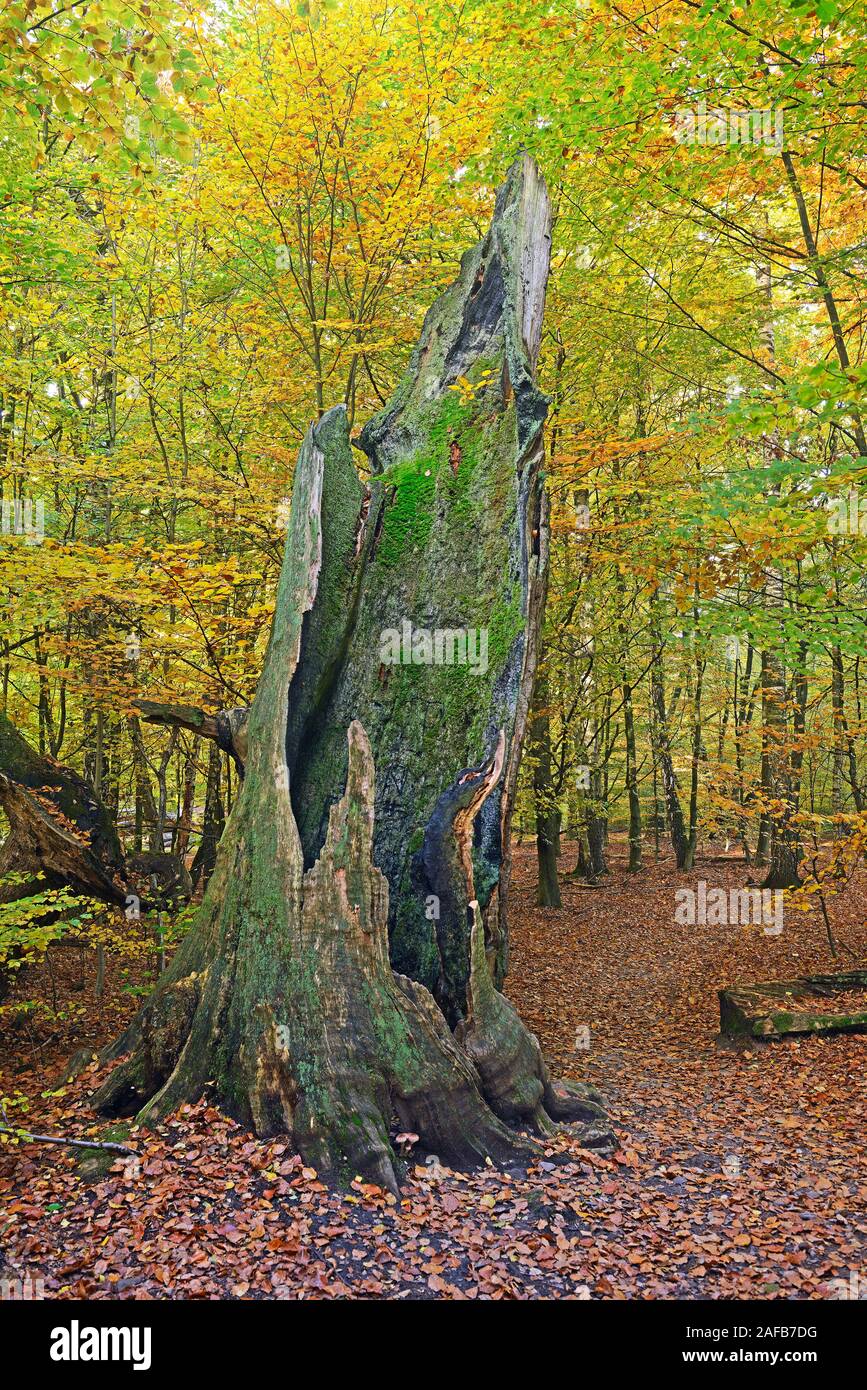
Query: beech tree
point(380, 770)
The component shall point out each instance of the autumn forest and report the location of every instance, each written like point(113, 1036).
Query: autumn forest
point(433, 782)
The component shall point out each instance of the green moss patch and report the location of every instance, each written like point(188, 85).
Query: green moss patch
point(834, 1003)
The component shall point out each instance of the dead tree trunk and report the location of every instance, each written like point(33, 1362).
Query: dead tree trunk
point(670, 789)
point(282, 998)
point(59, 827)
point(63, 835)
point(226, 729)
point(547, 809)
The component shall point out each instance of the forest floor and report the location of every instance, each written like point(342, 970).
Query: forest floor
point(739, 1174)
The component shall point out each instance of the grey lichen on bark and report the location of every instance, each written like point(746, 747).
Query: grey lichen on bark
point(284, 999)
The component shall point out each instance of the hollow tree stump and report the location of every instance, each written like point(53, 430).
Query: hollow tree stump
point(282, 999)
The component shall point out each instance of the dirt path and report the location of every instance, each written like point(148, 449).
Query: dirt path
point(739, 1175)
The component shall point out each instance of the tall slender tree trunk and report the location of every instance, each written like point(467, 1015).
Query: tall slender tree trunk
point(144, 791)
point(597, 807)
point(547, 808)
point(839, 746)
point(817, 268)
point(633, 799)
point(783, 852)
point(673, 809)
point(742, 702)
point(784, 855)
point(696, 741)
point(185, 819)
point(213, 822)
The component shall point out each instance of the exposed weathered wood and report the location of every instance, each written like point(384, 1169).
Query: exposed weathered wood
point(451, 536)
point(26, 1137)
point(515, 1079)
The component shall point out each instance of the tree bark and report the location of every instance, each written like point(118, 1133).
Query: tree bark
point(58, 825)
point(282, 999)
point(839, 743)
point(785, 848)
point(596, 832)
point(633, 798)
point(696, 741)
point(226, 728)
point(778, 835)
point(214, 822)
point(670, 790)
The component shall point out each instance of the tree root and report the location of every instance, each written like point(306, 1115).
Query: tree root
point(515, 1080)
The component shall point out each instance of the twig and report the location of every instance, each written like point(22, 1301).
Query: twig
point(29, 1138)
